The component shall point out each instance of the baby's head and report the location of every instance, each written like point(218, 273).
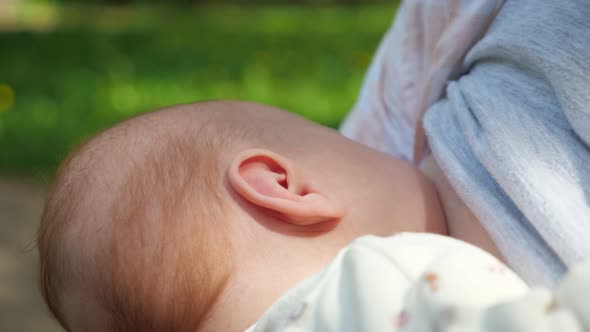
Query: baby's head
point(200, 216)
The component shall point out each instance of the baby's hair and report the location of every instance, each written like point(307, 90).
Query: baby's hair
point(152, 249)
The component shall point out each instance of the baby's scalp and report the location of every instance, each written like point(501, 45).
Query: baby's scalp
point(134, 220)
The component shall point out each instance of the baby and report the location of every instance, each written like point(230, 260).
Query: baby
point(200, 216)
point(212, 216)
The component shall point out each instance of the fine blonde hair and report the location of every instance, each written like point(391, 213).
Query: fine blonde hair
point(155, 254)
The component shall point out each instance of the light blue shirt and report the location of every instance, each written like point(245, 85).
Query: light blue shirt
point(513, 134)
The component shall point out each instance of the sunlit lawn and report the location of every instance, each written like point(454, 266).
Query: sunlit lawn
point(86, 69)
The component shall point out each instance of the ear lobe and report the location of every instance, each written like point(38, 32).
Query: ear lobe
point(267, 180)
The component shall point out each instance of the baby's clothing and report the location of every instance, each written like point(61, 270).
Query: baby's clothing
point(421, 283)
point(511, 133)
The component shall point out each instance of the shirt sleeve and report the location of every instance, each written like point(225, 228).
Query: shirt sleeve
point(422, 50)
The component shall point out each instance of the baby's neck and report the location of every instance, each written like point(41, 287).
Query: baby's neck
point(461, 222)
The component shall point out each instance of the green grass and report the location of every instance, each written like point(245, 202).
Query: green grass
point(92, 67)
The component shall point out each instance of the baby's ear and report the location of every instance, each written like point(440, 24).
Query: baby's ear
point(268, 180)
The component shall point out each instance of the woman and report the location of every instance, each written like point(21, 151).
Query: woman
point(491, 99)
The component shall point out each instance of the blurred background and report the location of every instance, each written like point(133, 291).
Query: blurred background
point(71, 68)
